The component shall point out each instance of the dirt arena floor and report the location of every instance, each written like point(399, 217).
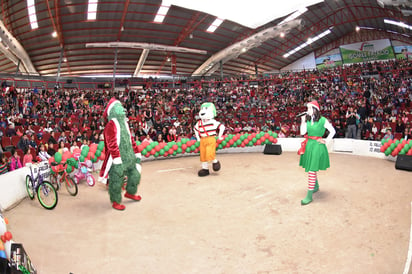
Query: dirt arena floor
point(246, 218)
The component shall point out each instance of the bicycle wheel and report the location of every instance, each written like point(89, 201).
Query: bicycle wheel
point(47, 195)
point(71, 186)
point(55, 181)
point(30, 187)
point(90, 180)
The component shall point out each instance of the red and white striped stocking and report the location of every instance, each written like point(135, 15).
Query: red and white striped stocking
point(311, 180)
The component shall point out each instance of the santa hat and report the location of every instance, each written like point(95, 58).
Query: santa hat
point(313, 104)
point(109, 107)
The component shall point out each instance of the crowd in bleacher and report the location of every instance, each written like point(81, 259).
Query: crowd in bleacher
point(378, 94)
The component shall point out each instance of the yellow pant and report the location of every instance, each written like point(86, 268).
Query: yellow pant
point(207, 148)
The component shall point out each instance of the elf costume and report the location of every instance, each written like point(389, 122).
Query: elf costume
point(314, 153)
point(122, 156)
point(205, 130)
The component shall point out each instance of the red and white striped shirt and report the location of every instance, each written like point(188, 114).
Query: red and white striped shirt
point(208, 128)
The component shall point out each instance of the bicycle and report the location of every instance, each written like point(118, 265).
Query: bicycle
point(61, 176)
point(84, 172)
point(46, 193)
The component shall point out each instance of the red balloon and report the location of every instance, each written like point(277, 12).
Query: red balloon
point(51, 160)
point(175, 147)
point(242, 144)
point(165, 154)
point(266, 135)
point(153, 151)
point(231, 142)
point(250, 137)
point(258, 142)
point(102, 156)
point(184, 146)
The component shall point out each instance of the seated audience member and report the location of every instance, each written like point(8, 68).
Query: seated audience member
point(24, 142)
point(62, 138)
point(10, 131)
point(407, 135)
point(32, 142)
point(62, 148)
point(4, 164)
point(147, 139)
point(388, 134)
point(52, 139)
point(50, 149)
point(28, 158)
point(15, 161)
point(43, 155)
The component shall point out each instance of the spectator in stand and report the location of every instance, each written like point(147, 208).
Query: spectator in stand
point(4, 164)
point(79, 137)
point(28, 158)
point(49, 148)
point(19, 132)
point(71, 138)
point(52, 139)
point(15, 161)
point(95, 138)
point(400, 126)
point(388, 134)
point(32, 142)
point(43, 154)
point(10, 131)
point(160, 138)
point(407, 135)
point(48, 128)
point(24, 142)
point(85, 142)
point(351, 128)
point(171, 136)
point(65, 127)
point(30, 131)
point(374, 129)
point(62, 147)
point(147, 139)
point(62, 138)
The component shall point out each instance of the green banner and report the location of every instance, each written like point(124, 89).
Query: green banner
point(367, 51)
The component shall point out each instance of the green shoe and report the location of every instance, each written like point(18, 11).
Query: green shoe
point(316, 189)
point(308, 198)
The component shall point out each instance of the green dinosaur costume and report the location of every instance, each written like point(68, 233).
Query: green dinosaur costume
point(122, 156)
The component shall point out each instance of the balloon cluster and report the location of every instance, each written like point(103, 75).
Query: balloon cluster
point(192, 146)
point(94, 152)
point(395, 147)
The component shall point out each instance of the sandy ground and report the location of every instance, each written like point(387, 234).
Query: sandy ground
point(246, 218)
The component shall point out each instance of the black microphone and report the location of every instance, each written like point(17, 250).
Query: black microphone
point(301, 114)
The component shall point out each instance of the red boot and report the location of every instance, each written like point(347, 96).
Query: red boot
point(118, 206)
point(133, 197)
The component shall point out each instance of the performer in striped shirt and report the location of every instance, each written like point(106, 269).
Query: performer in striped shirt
point(206, 130)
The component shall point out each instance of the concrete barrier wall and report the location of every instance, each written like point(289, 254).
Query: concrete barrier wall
point(13, 187)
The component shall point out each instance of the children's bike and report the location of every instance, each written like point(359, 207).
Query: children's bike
point(46, 193)
point(62, 177)
point(85, 172)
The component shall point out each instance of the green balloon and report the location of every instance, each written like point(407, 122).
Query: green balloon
point(94, 159)
point(392, 146)
point(397, 142)
point(238, 142)
point(144, 151)
point(69, 169)
point(387, 152)
point(224, 143)
point(254, 140)
point(86, 150)
point(58, 157)
point(179, 150)
point(193, 147)
point(156, 154)
point(383, 141)
point(100, 146)
point(162, 151)
point(188, 149)
point(76, 165)
point(197, 144)
point(98, 153)
point(81, 158)
point(220, 146)
point(184, 141)
point(174, 153)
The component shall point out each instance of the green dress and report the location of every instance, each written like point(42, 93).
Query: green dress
point(316, 156)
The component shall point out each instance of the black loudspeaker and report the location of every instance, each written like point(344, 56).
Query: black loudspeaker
point(272, 149)
point(404, 162)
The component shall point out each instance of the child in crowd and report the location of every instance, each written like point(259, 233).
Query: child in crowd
point(43, 155)
point(15, 161)
point(28, 158)
point(4, 164)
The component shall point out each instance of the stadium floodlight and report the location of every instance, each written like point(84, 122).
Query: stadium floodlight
point(31, 10)
point(214, 25)
point(397, 23)
point(92, 10)
point(307, 43)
